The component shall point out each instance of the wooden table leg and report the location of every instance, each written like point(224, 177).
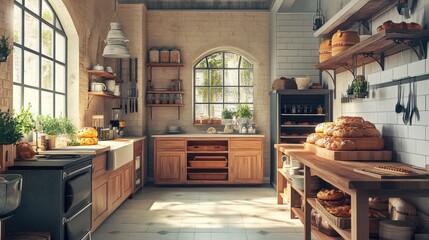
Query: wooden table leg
point(307, 207)
point(360, 222)
point(280, 187)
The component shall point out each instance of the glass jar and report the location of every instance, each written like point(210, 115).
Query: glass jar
point(150, 99)
point(164, 98)
point(171, 99)
point(178, 99)
point(157, 99)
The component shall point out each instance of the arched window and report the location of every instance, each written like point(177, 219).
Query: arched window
point(40, 61)
point(222, 80)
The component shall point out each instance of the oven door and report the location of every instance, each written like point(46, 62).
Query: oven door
point(78, 226)
point(77, 187)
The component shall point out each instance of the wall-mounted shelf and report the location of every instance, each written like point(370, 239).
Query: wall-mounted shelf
point(103, 94)
point(105, 75)
point(164, 92)
point(375, 48)
point(355, 11)
point(165, 64)
point(150, 106)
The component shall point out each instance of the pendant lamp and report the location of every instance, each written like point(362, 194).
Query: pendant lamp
point(116, 42)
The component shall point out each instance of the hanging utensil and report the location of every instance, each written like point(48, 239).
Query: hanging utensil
point(399, 108)
point(407, 112)
point(130, 73)
point(136, 90)
point(414, 109)
point(137, 95)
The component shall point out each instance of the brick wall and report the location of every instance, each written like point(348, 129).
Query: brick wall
point(409, 143)
point(6, 86)
point(198, 33)
point(297, 49)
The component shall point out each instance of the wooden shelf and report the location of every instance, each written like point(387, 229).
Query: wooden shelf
point(211, 168)
point(355, 11)
point(283, 173)
point(345, 233)
point(165, 105)
point(304, 114)
point(207, 151)
point(384, 43)
point(285, 137)
point(105, 75)
point(298, 126)
point(103, 94)
point(164, 92)
point(165, 64)
point(320, 236)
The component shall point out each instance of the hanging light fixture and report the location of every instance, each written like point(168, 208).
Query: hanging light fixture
point(116, 41)
point(318, 19)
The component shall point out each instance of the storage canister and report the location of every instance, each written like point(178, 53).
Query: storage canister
point(175, 55)
point(165, 55)
point(325, 50)
point(343, 40)
point(396, 230)
point(154, 55)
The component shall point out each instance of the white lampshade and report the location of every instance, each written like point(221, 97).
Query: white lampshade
point(116, 47)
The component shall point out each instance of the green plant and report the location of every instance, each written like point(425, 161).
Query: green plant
point(5, 48)
point(244, 111)
point(227, 114)
point(50, 125)
point(67, 126)
point(9, 132)
point(25, 119)
point(359, 87)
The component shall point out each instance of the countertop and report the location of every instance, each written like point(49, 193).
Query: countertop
point(208, 135)
point(50, 163)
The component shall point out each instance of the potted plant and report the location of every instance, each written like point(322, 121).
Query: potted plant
point(9, 136)
point(358, 88)
point(5, 48)
point(227, 116)
point(26, 121)
point(244, 113)
point(51, 127)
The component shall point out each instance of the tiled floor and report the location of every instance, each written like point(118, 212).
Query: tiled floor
point(201, 213)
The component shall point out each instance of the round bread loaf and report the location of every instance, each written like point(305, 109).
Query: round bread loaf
point(340, 145)
point(322, 126)
point(330, 194)
point(347, 119)
point(322, 141)
point(348, 132)
point(371, 132)
point(312, 138)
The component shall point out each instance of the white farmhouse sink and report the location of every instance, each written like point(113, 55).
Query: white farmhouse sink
point(120, 153)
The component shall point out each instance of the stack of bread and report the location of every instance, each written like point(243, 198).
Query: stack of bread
point(88, 136)
point(347, 134)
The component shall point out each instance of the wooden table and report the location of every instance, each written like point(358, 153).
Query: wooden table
point(341, 175)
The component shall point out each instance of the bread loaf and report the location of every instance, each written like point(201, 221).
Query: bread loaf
point(312, 138)
point(322, 126)
point(24, 150)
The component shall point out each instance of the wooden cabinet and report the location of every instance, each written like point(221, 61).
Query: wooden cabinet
point(246, 160)
point(100, 208)
point(139, 165)
point(115, 189)
point(214, 160)
point(170, 167)
point(129, 181)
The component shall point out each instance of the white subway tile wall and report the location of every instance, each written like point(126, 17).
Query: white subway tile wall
point(297, 49)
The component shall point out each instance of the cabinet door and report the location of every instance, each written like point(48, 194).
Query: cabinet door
point(100, 207)
point(170, 167)
point(128, 180)
point(246, 166)
point(115, 189)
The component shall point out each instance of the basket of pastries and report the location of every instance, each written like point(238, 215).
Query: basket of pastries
point(88, 136)
point(347, 134)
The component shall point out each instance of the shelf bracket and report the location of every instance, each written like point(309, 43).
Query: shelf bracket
point(416, 45)
point(89, 101)
point(379, 60)
point(334, 80)
point(350, 69)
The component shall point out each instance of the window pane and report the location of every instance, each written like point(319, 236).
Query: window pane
point(60, 47)
point(47, 103)
point(60, 78)
point(245, 63)
point(231, 94)
point(201, 110)
point(216, 78)
point(231, 77)
point(31, 31)
point(60, 105)
point(231, 107)
point(47, 40)
point(31, 69)
point(47, 74)
point(202, 64)
point(231, 60)
point(246, 95)
point(47, 12)
point(215, 60)
point(58, 24)
point(216, 95)
point(201, 94)
point(20, 1)
point(216, 110)
point(33, 5)
point(31, 96)
point(17, 98)
point(17, 23)
point(246, 78)
point(201, 78)
point(17, 65)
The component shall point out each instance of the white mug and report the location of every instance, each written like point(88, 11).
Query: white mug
point(110, 85)
point(97, 87)
point(117, 91)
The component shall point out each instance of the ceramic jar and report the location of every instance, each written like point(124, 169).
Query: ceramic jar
point(325, 50)
point(343, 40)
point(154, 55)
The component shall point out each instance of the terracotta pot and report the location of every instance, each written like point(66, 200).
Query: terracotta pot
point(7, 156)
point(343, 40)
point(325, 50)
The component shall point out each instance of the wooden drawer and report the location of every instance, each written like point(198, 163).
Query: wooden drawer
point(170, 144)
point(99, 163)
point(246, 144)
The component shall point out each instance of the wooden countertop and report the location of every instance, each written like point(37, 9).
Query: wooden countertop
point(207, 135)
point(341, 174)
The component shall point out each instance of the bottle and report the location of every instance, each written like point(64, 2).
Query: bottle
point(319, 109)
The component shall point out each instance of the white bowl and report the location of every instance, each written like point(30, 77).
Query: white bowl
point(173, 128)
point(302, 82)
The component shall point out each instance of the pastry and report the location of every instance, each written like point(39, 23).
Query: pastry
point(403, 25)
point(24, 150)
point(330, 194)
point(388, 24)
point(371, 132)
point(329, 130)
point(414, 26)
point(347, 119)
point(340, 145)
point(312, 138)
point(369, 124)
point(340, 211)
point(321, 142)
point(322, 126)
point(332, 203)
point(348, 132)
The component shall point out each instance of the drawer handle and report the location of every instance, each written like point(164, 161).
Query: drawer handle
point(66, 220)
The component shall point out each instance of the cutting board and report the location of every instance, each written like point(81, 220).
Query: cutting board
point(379, 155)
point(382, 174)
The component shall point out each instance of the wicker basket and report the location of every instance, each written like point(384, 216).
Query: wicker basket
point(343, 223)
